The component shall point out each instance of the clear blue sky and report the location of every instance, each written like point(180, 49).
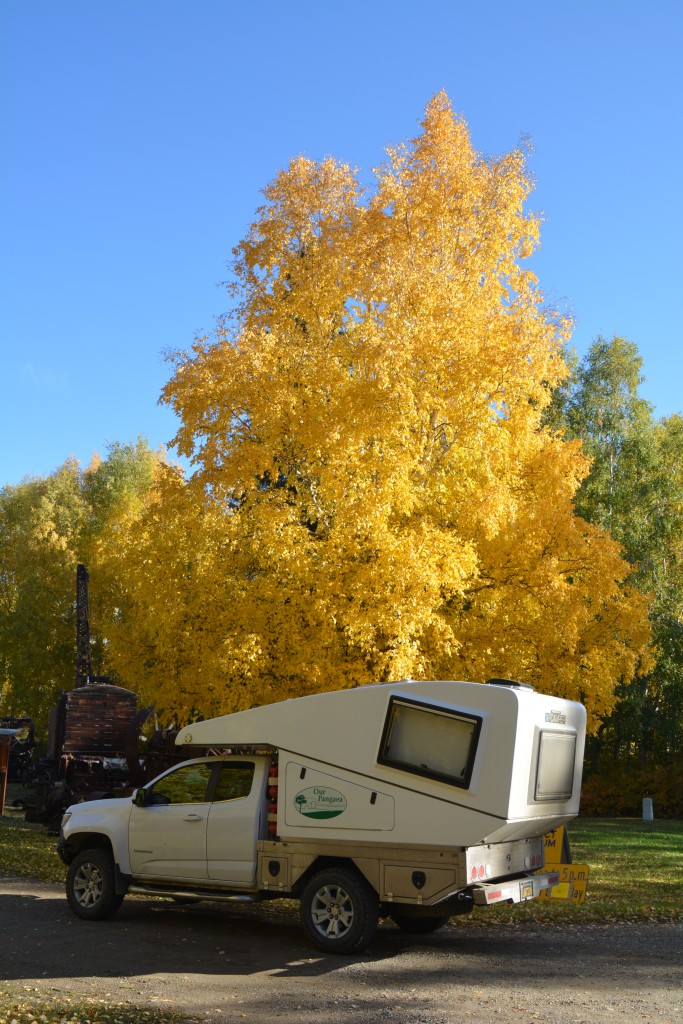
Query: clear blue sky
point(136, 137)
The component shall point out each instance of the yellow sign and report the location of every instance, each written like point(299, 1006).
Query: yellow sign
point(573, 877)
point(553, 847)
point(572, 884)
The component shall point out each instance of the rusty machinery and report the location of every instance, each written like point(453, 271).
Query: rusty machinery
point(94, 732)
point(20, 761)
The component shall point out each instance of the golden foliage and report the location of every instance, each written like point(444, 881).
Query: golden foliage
point(374, 496)
point(48, 525)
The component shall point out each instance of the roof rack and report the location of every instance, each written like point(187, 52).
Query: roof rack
point(510, 682)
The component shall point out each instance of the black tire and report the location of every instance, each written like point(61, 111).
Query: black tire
point(90, 888)
point(339, 911)
point(414, 925)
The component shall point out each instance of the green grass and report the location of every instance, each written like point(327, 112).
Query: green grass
point(27, 851)
point(636, 867)
point(33, 1009)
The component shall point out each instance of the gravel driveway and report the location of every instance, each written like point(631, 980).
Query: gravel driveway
point(250, 963)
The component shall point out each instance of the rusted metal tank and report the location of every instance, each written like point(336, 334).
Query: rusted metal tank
point(93, 719)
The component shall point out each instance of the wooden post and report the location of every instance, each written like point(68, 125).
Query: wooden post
point(5, 741)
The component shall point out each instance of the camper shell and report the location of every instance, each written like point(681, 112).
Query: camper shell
point(427, 797)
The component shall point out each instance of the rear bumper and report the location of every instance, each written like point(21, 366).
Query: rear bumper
point(519, 890)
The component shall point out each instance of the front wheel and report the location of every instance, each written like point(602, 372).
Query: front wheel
point(90, 888)
point(339, 911)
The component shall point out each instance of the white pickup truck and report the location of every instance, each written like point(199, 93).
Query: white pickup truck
point(412, 800)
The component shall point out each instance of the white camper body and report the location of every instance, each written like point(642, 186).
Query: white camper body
point(416, 800)
point(474, 763)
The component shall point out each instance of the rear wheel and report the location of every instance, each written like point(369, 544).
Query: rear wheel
point(90, 888)
point(414, 925)
point(339, 911)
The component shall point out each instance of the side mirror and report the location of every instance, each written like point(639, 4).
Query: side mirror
point(140, 797)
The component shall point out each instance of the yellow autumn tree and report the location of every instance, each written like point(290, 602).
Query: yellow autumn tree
point(374, 495)
point(47, 526)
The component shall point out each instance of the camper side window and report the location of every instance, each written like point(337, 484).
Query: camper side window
point(430, 741)
point(555, 770)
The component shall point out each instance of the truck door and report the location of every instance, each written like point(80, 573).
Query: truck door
point(167, 837)
point(236, 821)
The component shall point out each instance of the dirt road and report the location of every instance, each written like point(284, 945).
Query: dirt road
point(231, 965)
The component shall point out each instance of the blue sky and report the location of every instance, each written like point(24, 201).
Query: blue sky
point(136, 137)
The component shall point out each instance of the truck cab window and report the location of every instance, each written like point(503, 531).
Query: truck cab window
point(234, 781)
point(186, 785)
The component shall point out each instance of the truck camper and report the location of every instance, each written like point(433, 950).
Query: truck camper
point(410, 800)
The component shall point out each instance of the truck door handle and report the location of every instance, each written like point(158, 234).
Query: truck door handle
point(194, 817)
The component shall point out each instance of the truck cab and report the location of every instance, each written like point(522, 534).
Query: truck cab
point(200, 822)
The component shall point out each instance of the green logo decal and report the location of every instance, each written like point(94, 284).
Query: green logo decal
point(320, 802)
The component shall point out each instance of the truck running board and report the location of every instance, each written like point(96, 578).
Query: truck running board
point(517, 891)
point(195, 894)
